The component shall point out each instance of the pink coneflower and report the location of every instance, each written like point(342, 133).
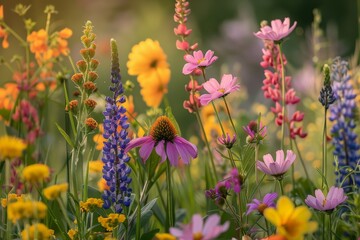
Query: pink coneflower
point(198, 60)
point(260, 206)
point(198, 229)
point(277, 31)
point(334, 198)
point(280, 166)
point(215, 90)
point(163, 137)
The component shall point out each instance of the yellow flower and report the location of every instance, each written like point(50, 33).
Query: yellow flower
point(164, 236)
point(26, 209)
point(91, 204)
point(99, 139)
point(36, 173)
point(148, 61)
point(102, 185)
point(96, 166)
point(11, 198)
point(72, 233)
point(291, 222)
point(42, 232)
point(54, 191)
point(11, 147)
point(112, 221)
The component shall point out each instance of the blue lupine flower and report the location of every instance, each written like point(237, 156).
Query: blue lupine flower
point(344, 137)
point(116, 171)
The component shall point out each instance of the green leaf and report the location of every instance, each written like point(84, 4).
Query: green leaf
point(65, 135)
point(149, 235)
point(170, 115)
point(148, 206)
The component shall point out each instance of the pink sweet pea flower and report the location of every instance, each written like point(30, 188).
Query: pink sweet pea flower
point(198, 60)
point(167, 144)
point(334, 198)
point(198, 229)
point(277, 31)
point(215, 90)
point(278, 167)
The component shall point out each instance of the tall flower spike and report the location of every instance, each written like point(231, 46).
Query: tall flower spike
point(327, 96)
point(342, 113)
point(116, 171)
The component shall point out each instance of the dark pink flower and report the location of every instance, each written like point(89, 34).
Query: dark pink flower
point(278, 167)
point(215, 90)
point(277, 31)
point(235, 181)
point(163, 138)
point(200, 229)
point(260, 206)
point(198, 60)
point(227, 141)
point(334, 198)
point(255, 133)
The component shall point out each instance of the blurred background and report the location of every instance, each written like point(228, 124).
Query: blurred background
point(224, 26)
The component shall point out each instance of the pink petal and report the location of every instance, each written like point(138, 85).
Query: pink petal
point(212, 85)
point(205, 99)
point(146, 150)
point(176, 232)
point(137, 142)
point(160, 150)
point(280, 157)
point(185, 148)
point(172, 153)
point(190, 59)
point(268, 159)
point(210, 223)
point(197, 223)
point(188, 68)
point(319, 195)
point(262, 167)
point(311, 201)
point(198, 55)
point(209, 54)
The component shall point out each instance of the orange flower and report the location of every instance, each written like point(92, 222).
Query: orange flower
point(4, 34)
point(8, 96)
point(99, 139)
point(1, 12)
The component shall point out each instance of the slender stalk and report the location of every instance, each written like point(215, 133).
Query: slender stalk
point(267, 227)
point(218, 118)
point(138, 218)
point(281, 186)
point(228, 112)
point(282, 97)
point(12, 32)
point(63, 210)
point(7, 176)
point(256, 158)
point(324, 155)
point(330, 227)
point(71, 116)
point(301, 160)
point(323, 226)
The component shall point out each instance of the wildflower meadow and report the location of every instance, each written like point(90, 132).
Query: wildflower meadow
point(106, 139)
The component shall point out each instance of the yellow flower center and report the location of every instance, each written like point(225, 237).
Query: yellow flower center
point(154, 63)
point(163, 129)
point(201, 60)
point(262, 207)
point(197, 236)
point(324, 202)
point(222, 90)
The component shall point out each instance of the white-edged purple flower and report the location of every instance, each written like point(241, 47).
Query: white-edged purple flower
point(200, 229)
point(198, 60)
point(278, 167)
point(277, 31)
point(228, 84)
point(260, 206)
point(163, 137)
point(334, 198)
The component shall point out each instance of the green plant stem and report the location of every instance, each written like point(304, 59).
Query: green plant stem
point(281, 186)
point(198, 118)
point(330, 227)
point(267, 227)
point(256, 158)
point(71, 116)
point(301, 159)
point(170, 201)
point(7, 176)
point(323, 227)
point(228, 112)
point(324, 155)
point(218, 118)
point(63, 210)
point(12, 32)
point(282, 97)
point(138, 218)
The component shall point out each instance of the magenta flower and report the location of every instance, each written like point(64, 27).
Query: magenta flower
point(334, 198)
point(235, 181)
point(215, 90)
point(163, 137)
point(198, 60)
point(280, 166)
point(277, 31)
point(260, 206)
point(255, 134)
point(198, 229)
point(227, 141)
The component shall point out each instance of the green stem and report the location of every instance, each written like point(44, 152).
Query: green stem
point(12, 32)
point(267, 227)
point(301, 160)
point(7, 176)
point(282, 97)
point(323, 227)
point(281, 186)
point(63, 210)
point(170, 200)
point(138, 218)
point(71, 116)
point(324, 155)
point(330, 227)
point(218, 118)
point(228, 112)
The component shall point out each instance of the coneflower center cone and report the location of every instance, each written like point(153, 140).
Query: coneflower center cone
point(163, 129)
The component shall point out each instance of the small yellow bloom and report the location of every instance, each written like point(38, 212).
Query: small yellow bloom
point(11, 147)
point(1, 12)
point(53, 192)
point(11, 198)
point(112, 221)
point(26, 209)
point(102, 185)
point(72, 233)
point(164, 236)
point(291, 222)
point(96, 166)
point(42, 232)
point(36, 173)
point(91, 204)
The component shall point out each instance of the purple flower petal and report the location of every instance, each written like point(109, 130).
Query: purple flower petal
point(160, 150)
point(172, 153)
point(137, 142)
point(185, 148)
point(146, 150)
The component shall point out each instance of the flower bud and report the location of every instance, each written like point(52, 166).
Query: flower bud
point(77, 78)
point(72, 106)
point(90, 87)
point(93, 64)
point(91, 124)
point(90, 104)
point(93, 76)
point(81, 64)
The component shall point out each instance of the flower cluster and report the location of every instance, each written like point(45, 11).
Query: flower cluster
point(36, 173)
point(37, 231)
point(54, 191)
point(11, 147)
point(343, 131)
point(272, 82)
point(91, 204)
point(116, 171)
point(26, 210)
point(112, 221)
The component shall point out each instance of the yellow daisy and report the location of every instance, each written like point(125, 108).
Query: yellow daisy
point(53, 192)
point(42, 232)
point(291, 222)
point(11, 147)
point(36, 173)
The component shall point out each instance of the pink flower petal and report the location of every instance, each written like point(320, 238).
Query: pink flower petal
point(197, 223)
point(185, 148)
point(172, 153)
point(137, 142)
point(212, 85)
point(160, 150)
point(146, 150)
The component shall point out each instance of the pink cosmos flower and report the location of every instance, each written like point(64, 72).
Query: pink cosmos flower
point(278, 167)
point(277, 31)
point(163, 138)
point(260, 206)
point(198, 229)
point(334, 198)
point(215, 90)
point(198, 60)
